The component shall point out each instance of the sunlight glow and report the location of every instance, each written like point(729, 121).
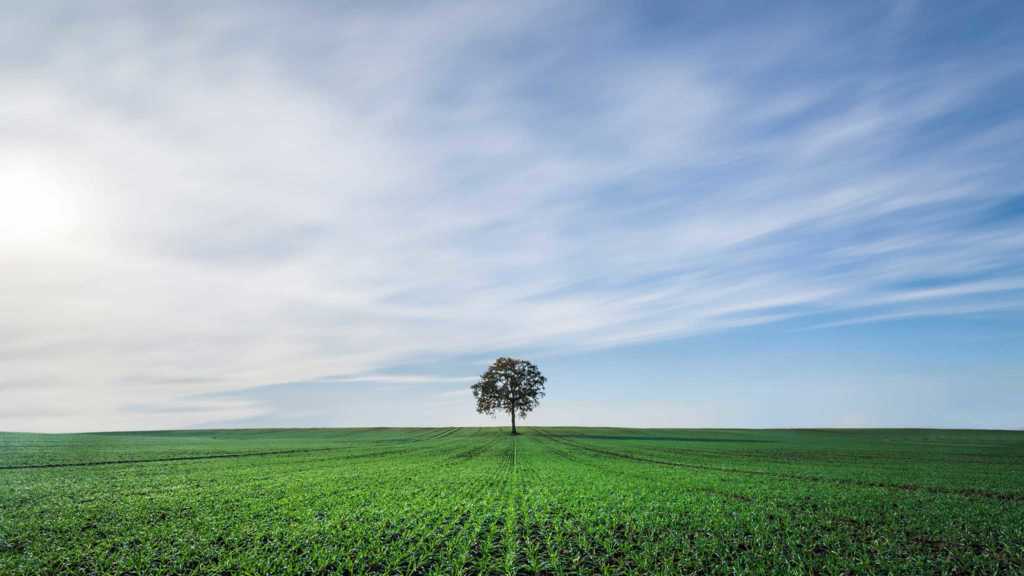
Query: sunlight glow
point(34, 209)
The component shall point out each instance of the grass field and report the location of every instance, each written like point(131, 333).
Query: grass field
point(479, 501)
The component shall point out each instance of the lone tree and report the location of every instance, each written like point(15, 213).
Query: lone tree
point(509, 385)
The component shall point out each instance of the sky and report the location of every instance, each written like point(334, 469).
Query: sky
point(337, 214)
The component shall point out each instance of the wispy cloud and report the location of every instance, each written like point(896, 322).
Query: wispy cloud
point(206, 201)
point(400, 379)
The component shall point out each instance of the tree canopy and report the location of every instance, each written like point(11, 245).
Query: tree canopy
point(510, 385)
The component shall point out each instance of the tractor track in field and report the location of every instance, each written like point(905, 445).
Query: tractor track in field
point(596, 466)
point(789, 507)
point(474, 452)
point(165, 459)
point(988, 494)
point(933, 543)
point(434, 436)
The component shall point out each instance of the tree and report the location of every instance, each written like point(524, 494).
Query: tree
point(509, 385)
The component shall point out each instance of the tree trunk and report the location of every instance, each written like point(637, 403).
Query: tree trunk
point(514, 422)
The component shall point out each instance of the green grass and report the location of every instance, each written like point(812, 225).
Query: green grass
point(478, 501)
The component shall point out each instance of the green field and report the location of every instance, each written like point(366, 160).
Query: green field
point(479, 501)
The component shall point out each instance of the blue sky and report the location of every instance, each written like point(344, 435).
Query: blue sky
point(303, 214)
